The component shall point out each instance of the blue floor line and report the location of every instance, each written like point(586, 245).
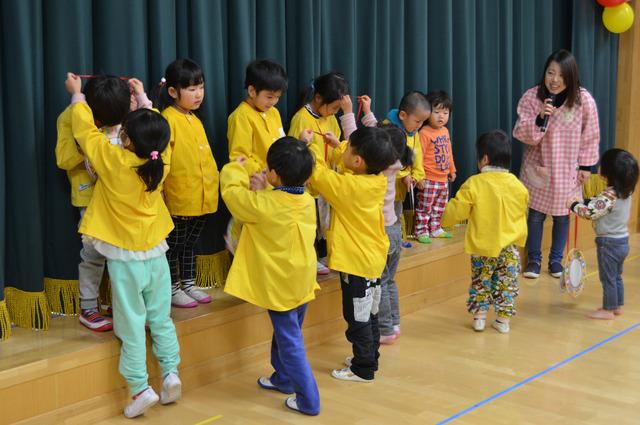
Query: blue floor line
point(537, 375)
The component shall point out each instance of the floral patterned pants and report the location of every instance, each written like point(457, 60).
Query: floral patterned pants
point(494, 281)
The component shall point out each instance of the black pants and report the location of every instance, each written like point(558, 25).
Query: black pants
point(360, 301)
point(182, 241)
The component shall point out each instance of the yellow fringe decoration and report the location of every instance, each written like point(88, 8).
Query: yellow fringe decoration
point(594, 186)
point(5, 321)
point(63, 296)
point(28, 309)
point(212, 270)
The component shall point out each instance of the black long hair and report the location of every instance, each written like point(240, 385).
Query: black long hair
point(570, 75)
point(149, 134)
point(620, 169)
point(398, 139)
point(180, 74)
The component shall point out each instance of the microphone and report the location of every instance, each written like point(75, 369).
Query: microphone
point(551, 97)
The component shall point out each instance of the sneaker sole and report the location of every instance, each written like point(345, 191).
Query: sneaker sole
point(190, 305)
point(273, 388)
point(102, 328)
point(556, 275)
point(143, 410)
point(354, 378)
point(286, 404)
point(171, 394)
point(531, 275)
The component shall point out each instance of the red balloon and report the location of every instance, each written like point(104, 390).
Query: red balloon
point(610, 3)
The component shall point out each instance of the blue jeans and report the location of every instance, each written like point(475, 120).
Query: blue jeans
point(289, 359)
point(611, 255)
point(389, 311)
point(535, 223)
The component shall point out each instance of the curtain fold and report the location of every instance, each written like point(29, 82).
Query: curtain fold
point(485, 53)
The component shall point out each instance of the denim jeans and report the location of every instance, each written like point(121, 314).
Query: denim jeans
point(611, 255)
point(389, 313)
point(535, 223)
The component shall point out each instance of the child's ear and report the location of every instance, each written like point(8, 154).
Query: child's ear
point(402, 115)
point(172, 92)
point(252, 91)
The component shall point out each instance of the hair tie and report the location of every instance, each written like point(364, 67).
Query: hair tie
point(163, 81)
point(154, 155)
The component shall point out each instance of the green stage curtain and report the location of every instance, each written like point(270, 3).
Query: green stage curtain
point(485, 53)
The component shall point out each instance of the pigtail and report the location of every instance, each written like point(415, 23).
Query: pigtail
point(160, 95)
point(152, 171)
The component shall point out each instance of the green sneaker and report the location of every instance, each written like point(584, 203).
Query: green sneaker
point(424, 239)
point(442, 234)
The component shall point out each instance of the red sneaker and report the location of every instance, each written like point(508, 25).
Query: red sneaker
point(93, 320)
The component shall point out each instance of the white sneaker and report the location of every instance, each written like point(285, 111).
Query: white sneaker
point(171, 389)
point(347, 361)
point(182, 300)
point(501, 327)
point(198, 295)
point(322, 269)
point(141, 403)
point(478, 324)
point(346, 375)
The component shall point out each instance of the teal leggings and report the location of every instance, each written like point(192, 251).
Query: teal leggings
point(141, 292)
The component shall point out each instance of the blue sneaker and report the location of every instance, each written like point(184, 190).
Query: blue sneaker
point(532, 271)
point(555, 269)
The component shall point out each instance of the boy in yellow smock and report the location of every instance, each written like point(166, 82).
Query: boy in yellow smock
point(357, 242)
point(495, 202)
point(274, 266)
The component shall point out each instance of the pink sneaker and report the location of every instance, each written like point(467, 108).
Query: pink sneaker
point(396, 331)
point(387, 339)
point(322, 269)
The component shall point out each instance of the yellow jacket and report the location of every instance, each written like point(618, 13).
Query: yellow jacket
point(304, 120)
point(69, 158)
point(191, 188)
point(356, 240)
point(274, 266)
point(251, 133)
point(121, 211)
point(495, 202)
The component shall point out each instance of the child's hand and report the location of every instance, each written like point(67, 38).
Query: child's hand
point(258, 181)
point(346, 105)
point(366, 103)
point(571, 201)
point(73, 84)
point(136, 85)
point(331, 139)
point(421, 185)
point(452, 177)
point(583, 176)
point(409, 181)
point(306, 136)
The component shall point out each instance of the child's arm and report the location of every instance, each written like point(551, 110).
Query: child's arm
point(348, 120)
point(92, 142)
point(243, 204)
point(595, 208)
point(240, 135)
point(141, 97)
point(526, 130)
point(68, 155)
point(589, 139)
point(459, 208)
point(417, 168)
point(330, 184)
point(452, 165)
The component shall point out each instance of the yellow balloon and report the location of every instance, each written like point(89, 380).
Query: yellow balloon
point(618, 19)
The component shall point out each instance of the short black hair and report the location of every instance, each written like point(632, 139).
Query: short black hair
point(374, 146)
point(148, 131)
point(497, 146)
point(620, 169)
point(331, 87)
point(292, 160)
point(109, 98)
point(413, 101)
point(265, 74)
point(440, 98)
point(398, 140)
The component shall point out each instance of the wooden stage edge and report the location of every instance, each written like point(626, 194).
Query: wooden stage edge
point(70, 375)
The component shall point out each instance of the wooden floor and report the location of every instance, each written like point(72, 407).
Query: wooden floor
point(440, 368)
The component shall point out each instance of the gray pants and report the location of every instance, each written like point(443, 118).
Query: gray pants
point(389, 314)
point(90, 272)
